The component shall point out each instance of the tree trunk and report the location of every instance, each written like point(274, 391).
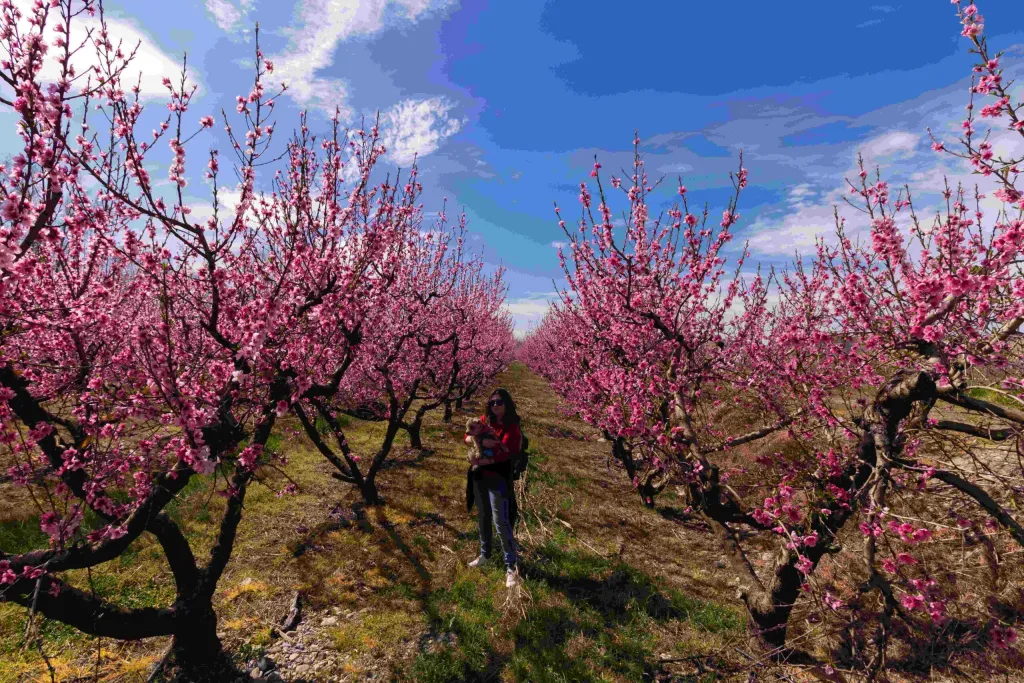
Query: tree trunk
point(368, 488)
point(771, 604)
point(647, 492)
point(196, 651)
point(415, 429)
point(448, 413)
point(769, 610)
point(647, 488)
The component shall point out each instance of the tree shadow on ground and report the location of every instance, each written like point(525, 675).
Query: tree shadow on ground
point(683, 518)
point(399, 544)
point(409, 457)
point(605, 624)
point(957, 645)
point(613, 589)
point(466, 615)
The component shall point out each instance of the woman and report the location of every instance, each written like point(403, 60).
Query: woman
point(492, 481)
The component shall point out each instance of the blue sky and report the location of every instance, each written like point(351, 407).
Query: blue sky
point(507, 102)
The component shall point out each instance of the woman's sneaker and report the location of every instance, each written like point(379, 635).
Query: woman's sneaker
point(511, 578)
point(478, 562)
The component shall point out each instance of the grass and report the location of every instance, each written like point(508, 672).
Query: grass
point(613, 587)
point(469, 613)
point(997, 397)
point(22, 535)
point(376, 632)
point(592, 619)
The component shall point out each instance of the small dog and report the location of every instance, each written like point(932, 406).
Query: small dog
point(479, 431)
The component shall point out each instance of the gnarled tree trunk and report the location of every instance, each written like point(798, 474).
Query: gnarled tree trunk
point(770, 601)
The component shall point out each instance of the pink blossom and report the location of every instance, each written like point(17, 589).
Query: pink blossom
point(912, 601)
point(1003, 637)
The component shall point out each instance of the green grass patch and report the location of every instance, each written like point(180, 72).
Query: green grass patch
point(22, 535)
point(376, 631)
point(273, 444)
point(537, 457)
point(622, 591)
point(539, 477)
point(591, 619)
point(127, 591)
point(466, 610)
point(707, 616)
point(323, 427)
point(997, 397)
point(444, 666)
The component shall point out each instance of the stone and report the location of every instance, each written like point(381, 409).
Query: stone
point(255, 673)
point(329, 621)
point(265, 664)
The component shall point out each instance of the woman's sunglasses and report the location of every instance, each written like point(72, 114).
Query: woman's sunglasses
point(496, 402)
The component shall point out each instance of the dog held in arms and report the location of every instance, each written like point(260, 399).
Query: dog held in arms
point(479, 431)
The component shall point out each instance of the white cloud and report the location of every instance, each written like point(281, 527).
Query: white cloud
point(414, 127)
point(227, 201)
point(559, 245)
point(896, 143)
point(148, 68)
point(323, 25)
point(796, 230)
point(527, 312)
point(798, 193)
point(809, 214)
point(229, 15)
point(675, 168)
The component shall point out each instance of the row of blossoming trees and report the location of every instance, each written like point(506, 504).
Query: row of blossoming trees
point(142, 347)
point(851, 429)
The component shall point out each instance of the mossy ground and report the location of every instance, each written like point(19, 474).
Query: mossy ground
point(613, 591)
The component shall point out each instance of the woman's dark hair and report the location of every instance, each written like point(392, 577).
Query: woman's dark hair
point(511, 415)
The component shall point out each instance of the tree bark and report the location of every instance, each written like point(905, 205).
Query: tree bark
point(415, 429)
point(648, 484)
point(770, 603)
point(368, 488)
point(196, 650)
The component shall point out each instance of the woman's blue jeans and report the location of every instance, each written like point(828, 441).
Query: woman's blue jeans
point(492, 496)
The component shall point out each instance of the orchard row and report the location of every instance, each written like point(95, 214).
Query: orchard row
point(850, 428)
point(146, 342)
